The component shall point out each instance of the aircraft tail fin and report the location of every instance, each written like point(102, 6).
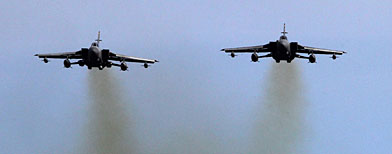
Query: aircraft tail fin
point(284, 29)
point(99, 37)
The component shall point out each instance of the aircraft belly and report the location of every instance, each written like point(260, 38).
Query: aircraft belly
point(93, 58)
point(281, 53)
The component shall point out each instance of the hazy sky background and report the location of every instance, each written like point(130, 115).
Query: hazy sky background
point(195, 89)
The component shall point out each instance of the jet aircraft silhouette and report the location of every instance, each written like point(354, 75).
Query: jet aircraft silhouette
point(96, 57)
point(282, 49)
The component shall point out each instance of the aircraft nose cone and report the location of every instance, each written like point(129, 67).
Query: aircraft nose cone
point(96, 51)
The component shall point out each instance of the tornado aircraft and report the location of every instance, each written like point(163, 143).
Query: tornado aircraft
point(282, 49)
point(96, 57)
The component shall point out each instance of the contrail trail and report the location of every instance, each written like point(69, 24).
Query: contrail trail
point(280, 117)
point(109, 127)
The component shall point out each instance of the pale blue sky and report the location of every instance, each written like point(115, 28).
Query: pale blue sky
point(196, 88)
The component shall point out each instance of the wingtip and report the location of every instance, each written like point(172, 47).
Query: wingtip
point(222, 50)
point(156, 61)
point(36, 55)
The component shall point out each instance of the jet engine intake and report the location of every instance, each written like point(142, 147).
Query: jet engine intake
point(294, 46)
point(255, 57)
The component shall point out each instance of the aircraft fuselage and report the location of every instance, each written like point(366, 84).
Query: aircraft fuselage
point(282, 51)
point(94, 57)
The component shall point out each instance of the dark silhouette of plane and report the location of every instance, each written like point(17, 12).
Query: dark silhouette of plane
point(282, 49)
point(96, 57)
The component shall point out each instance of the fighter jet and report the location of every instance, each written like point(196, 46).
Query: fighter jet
point(282, 49)
point(96, 57)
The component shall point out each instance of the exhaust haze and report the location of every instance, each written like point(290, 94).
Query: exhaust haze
point(109, 124)
point(280, 115)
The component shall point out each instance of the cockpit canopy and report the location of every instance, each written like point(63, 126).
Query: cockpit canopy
point(95, 44)
point(283, 37)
